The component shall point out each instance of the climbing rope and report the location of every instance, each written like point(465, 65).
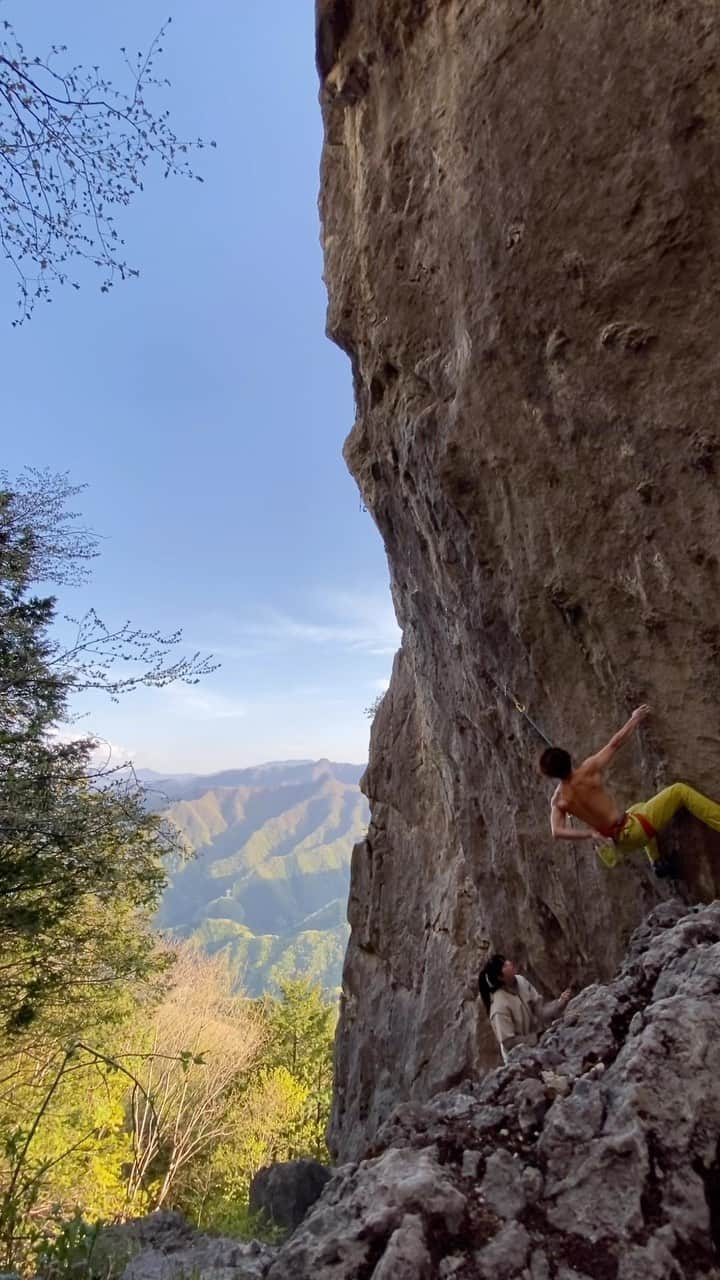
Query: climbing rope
point(520, 707)
point(522, 710)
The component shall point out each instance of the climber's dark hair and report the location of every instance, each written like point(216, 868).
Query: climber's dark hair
point(489, 979)
point(555, 763)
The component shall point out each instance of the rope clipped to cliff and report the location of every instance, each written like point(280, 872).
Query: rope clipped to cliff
point(520, 707)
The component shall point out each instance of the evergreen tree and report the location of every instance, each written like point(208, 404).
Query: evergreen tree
point(301, 1038)
point(79, 855)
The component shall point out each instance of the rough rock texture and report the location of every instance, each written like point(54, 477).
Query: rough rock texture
point(521, 225)
point(164, 1247)
point(285, 1191)
point(595, 1155)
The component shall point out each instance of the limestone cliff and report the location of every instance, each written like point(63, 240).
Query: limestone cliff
point(521, 227)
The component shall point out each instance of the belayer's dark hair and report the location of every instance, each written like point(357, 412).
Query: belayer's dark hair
point(555, 763)
point(490, 979)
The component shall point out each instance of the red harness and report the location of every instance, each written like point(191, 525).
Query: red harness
point(613, 832)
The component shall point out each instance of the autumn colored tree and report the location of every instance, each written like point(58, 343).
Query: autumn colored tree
point(202, 1041)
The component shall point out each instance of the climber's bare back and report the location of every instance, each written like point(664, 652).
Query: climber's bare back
point(584, 796)
point(582, 793)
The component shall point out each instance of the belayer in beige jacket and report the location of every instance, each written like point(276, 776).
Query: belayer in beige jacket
point(517, 1012)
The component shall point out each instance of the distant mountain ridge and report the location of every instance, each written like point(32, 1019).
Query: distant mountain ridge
point(186, 786)
point(271, 874)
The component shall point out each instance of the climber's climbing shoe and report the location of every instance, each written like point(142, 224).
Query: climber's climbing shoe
point(664, 869)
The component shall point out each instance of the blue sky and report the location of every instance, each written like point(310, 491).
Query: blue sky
point(205, 409)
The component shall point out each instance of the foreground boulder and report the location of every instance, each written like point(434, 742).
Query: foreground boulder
point(163, 1247)
point(591, 1157)
point(284, 1192)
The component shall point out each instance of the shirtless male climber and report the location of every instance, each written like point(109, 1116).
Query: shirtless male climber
point(581, 793)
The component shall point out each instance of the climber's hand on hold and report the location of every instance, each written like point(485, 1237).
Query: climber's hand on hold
point(565, 997)
point(602, 758)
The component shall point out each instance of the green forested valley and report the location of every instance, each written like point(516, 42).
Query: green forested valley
point(268, 881)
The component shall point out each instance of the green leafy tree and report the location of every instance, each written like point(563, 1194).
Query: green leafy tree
point(266, 1123)
point(301, 1036)
point(63, 1141)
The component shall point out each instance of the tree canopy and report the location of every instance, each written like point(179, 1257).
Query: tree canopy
point(132, 1073)
point(80, 856)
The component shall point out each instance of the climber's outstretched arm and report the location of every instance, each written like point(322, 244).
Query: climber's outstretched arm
point(602, 758)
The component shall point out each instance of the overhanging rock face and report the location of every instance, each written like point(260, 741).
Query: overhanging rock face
point(521, 230)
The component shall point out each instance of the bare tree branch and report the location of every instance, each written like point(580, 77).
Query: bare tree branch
point(72, 150)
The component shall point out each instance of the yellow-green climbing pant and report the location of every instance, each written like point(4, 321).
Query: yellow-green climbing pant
point(658, 813)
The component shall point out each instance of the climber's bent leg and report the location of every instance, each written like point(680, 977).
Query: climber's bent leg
point(642, 821)
point(661, 808)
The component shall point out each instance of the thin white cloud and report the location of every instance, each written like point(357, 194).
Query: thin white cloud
point(339, 620)
point(105, 756)
point(192, 704)
point(299, 688)
point(110, 755)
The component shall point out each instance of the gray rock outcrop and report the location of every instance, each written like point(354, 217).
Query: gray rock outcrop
point(163, 1247)
point(615, 1177)
point(521, 230)
point(285, 1191)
